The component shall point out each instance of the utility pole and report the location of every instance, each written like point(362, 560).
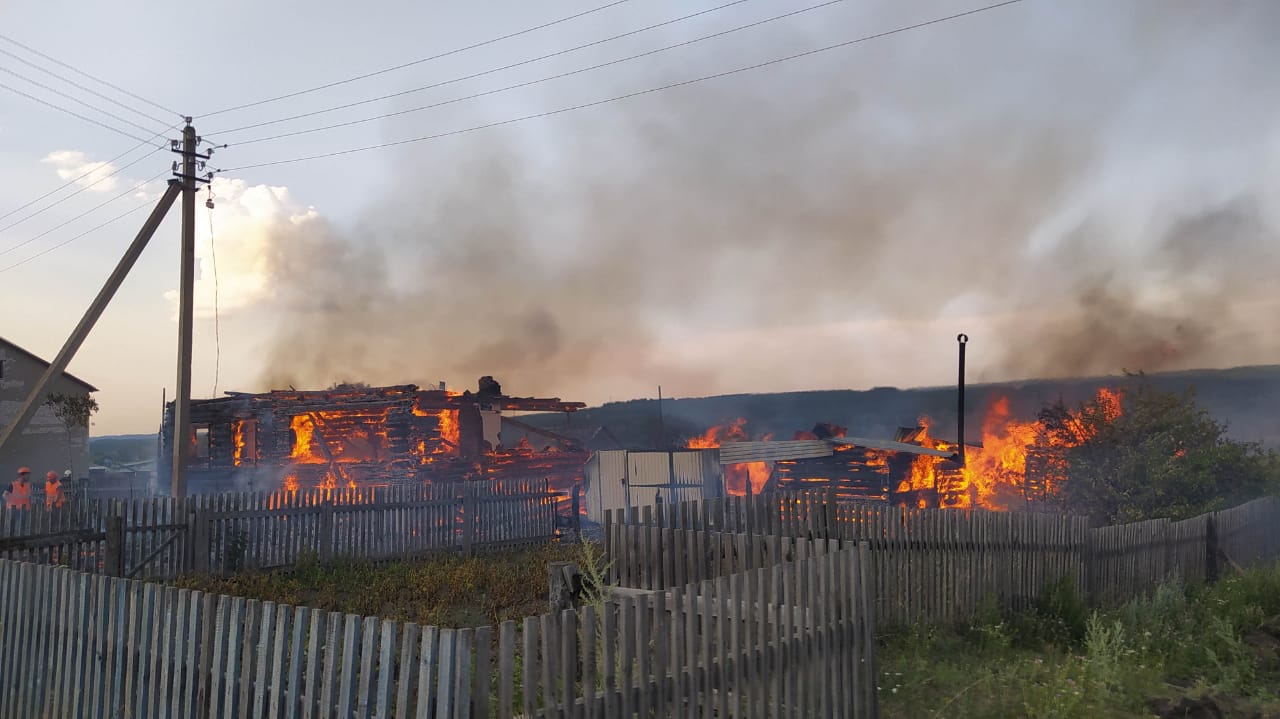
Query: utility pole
point(186, 309)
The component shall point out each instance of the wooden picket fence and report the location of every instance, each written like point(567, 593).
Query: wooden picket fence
point(165, 537)
point(942, 564)
point(795, 639)
point(929, 564)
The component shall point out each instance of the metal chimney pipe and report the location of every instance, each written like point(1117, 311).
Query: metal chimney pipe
point(961, 339)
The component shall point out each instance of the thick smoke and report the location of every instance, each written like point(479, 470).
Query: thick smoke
point(1090, 178)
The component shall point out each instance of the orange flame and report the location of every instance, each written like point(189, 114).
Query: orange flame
point(995, 476)
point(737, 477)
point(237, 453)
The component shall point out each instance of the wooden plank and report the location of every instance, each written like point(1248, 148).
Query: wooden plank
point(609, 680)
point(408, 666)
point(463, 653)
point(568, 669)
point(276, 696)
point(445, 696)
point(175, 651)
point(262, 661)
point(506, 668)
point(483, 664)
point(248, 655)
point(371, 630)
point(529, 667)
point(549, 664)
point(236, 620)
point(627, 622)
point(350, 657)
point(328, 685)
point(428, 659)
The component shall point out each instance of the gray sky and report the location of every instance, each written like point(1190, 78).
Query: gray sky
point(1082, 187)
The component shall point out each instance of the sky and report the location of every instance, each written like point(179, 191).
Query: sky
point(1082, 188)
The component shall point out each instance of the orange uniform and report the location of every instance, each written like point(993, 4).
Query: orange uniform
point(53, 495)
point(20, 491)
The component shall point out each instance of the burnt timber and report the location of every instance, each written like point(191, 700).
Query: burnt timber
point(365, 436)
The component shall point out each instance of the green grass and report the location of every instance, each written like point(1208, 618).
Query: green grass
point(447, 591)
point(1060, 660)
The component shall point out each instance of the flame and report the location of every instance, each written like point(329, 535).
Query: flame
point(237, 453)
point(996, 476)
point(291, 482)
point(448, 427)
point(737, 477)
point(303, 431)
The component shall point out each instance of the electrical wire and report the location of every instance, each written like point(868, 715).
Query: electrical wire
point(77, 100)
point(217, 322)
point(73, 113)
point(104, 203)
point(638, 93)
point(68, 241)
point(57, 202)
point(542, 79)
point(411, 63)
point(82, 73)
point(74, 180)
point(483, 73)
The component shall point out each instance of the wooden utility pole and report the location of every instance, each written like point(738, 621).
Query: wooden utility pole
point(36, 398)
point(186, 314)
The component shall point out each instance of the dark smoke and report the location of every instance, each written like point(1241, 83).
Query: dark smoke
point(888, 181)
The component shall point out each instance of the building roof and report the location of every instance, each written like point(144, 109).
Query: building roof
point(36, 358)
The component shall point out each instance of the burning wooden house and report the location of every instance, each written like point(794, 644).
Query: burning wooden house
point(354, 435)
point(853, 468)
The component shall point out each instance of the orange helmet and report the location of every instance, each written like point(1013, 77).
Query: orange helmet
point(24, 470)
point(51, 475)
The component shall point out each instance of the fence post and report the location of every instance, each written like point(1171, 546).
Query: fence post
point(327, 538)
point(468, 523)
point(113, 564)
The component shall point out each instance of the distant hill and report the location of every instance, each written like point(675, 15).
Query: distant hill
point(1247, 398)
point(122, 448)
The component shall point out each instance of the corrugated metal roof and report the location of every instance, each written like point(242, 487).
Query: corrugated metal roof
point(890, 445)
point(738, 452)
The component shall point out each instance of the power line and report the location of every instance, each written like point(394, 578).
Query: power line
point(68, 241)
point(217, 322)
point(74, 180)
point(99, 80)
point(73, 113)
point(543, 79)
point(96, 207)
point(416, 62)
point(59, 201)
point(485, 72)
point(638, 93)
point(75, 99)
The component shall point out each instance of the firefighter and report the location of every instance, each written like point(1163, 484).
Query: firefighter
point(19, 494)
point(53, 494)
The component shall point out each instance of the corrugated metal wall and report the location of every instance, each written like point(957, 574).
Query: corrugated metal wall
point(610, 472)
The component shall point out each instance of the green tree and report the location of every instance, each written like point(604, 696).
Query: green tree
point(1162, 456)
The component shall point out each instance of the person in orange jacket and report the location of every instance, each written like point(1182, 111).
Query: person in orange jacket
point(53, 494)
point(19, 494)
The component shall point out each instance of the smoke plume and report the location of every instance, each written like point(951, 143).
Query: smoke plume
point(1090, 181)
